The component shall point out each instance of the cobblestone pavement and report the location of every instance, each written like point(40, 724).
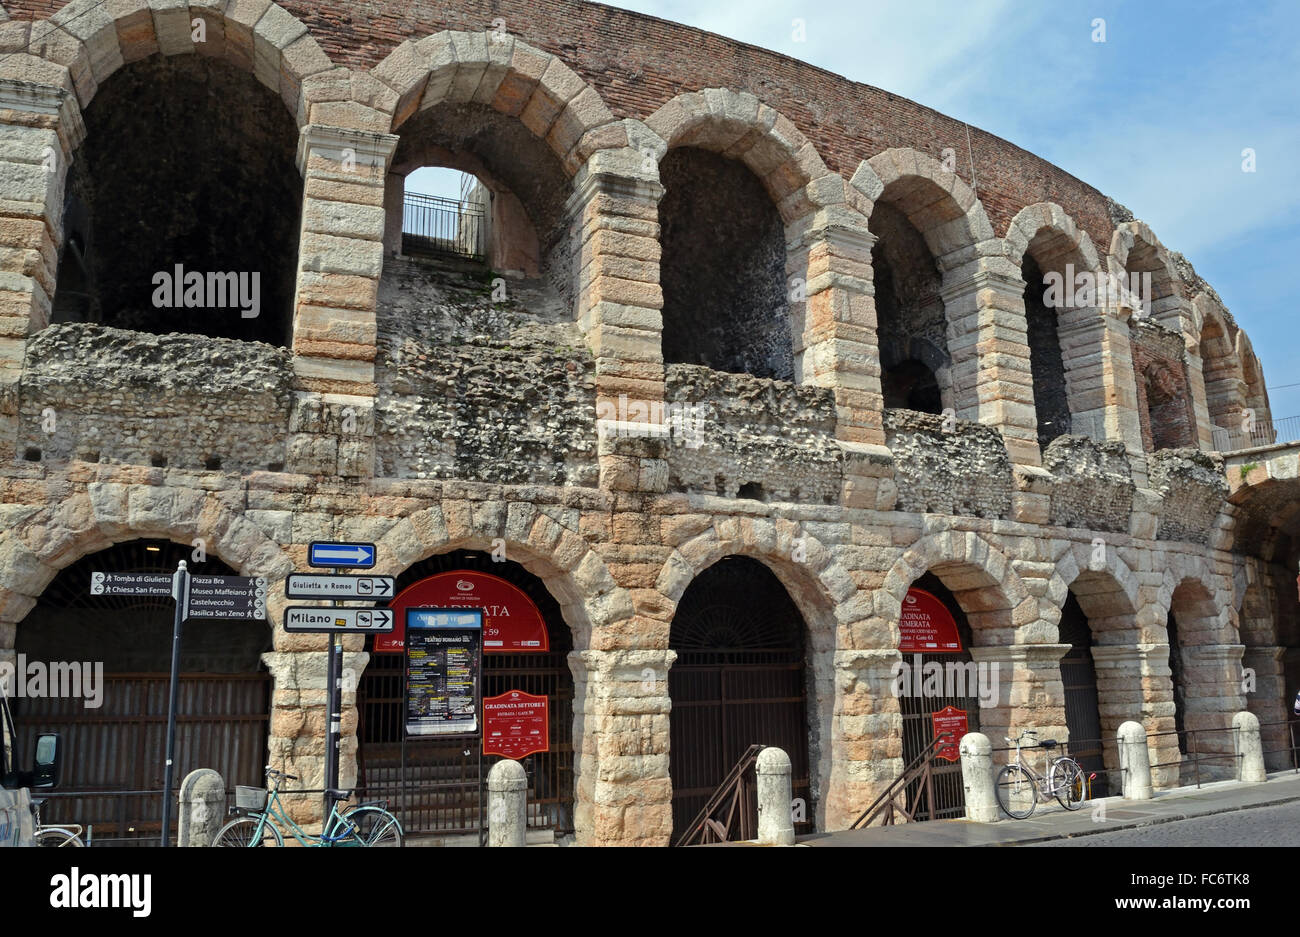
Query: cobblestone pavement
point(1261, 826)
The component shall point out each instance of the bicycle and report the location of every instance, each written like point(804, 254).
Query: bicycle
point(65, 834)
point(263, 817)
point(1019, 786)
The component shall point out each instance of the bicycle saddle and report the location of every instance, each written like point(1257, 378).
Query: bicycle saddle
point(339, 795)
point(1047, 743)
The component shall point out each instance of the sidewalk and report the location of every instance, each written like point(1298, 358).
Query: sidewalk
point(1056, 823)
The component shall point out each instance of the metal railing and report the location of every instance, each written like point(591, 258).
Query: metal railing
point(920, 770)
point(1262, 433)
point(733, 802)
point(435, 225)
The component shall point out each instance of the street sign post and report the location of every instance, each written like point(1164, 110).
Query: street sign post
point(300, 619)
point(228, 597)
point(349, 555)
point(326, 586)
point(159, 584)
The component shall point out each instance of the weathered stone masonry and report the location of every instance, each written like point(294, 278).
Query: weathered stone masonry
point(410, 409)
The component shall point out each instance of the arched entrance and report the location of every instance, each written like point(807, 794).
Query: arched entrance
point(918, 709)
point(118, 745)
point(739, 680)
point(1082, 704)
point(441, 776)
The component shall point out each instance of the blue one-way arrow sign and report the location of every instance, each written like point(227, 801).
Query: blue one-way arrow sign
point(355, 555)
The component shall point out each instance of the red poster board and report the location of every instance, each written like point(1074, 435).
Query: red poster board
point(516, 724)
point(949, 719)
point(512, 623)
point(926, 626)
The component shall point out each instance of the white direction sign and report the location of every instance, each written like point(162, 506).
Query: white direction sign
point(356, 555)
point(326, 586)
point(318, 620)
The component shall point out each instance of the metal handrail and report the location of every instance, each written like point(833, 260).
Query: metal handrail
point(1261, 433)
point(733, 786)
point(432, 224)
point(920, 767)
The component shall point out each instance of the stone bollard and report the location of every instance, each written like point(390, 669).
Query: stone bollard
point(202, 808)
point(1250, 747)
point(507, 785)
point(978, 778)
point(1135, 761)
point(775, 798)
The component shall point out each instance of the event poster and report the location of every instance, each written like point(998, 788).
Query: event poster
point(443, 665)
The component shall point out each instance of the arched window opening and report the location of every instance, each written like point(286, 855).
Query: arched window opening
point(911, 325)
point(1051, 401)
point(449, 212)
point(1082, 702)
point(122, 646)
point(181, 210)
point(739, 680)
point(1224, 389)
point(723, 268)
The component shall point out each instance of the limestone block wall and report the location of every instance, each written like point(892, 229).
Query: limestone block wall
point(95, 393)
point(733, 434)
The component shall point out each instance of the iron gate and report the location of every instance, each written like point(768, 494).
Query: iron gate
point(918, 733)
point(221, 723)
point(1082, 707)
point(723, 702)
point(436, 787)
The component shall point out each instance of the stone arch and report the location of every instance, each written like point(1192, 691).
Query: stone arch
point(738, 126)
point(942, 207)
point(92, 40)
point(1108, 592)
point(572, 572)
point(1213, 616)
point(49, 539)
point(508, 75)
point(999, 607)
point(1043, 240)
point(1225, 384)
point(1256, 395)
point(1134, 248)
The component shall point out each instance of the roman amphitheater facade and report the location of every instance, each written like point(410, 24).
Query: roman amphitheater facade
point(686, 351)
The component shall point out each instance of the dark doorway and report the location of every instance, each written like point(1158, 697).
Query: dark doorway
point(739, 680)
point(918, 710)
point(118, 746)
point(1082, 711)
point(1177, 678)
point(441, 776)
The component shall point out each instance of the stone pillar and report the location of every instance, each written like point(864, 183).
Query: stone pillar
point(1133, 684)
point(40, 129)
point(622, 783)
point(992, 380)
point(202, 808)
point(1268, 700)
point(866, 739)
point(835, 344)
point(1250, 749)
point(507, 785)
point(614, 212)
point(1029, 692)
point(1213, 678)
point(1135, 761)
point(299, 721)
point(340, 259)
point(978, 778)
point(775, 797)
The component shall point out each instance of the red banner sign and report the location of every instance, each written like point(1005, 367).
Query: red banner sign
point(511, 622)
point(927, 626)
point(949, 719)
point(516, 724)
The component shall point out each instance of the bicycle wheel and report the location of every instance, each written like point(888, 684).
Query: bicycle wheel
point(54, 836)
point(1016, 792)
point(1067, 783)
point(242, 831)
point(374, 827)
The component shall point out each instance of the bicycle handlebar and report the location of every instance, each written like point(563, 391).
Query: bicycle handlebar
point(273, 773)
